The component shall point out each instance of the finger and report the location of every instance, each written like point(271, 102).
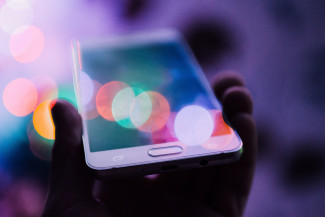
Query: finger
point(71, 185)
point(234, 180)
point(69, 171)
point(245, 126)
point(225, 80)
point(237, 100)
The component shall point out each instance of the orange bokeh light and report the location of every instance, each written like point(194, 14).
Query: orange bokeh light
point(20, 97)
point(159, 114)
point(26, 44)
point(42, 120)
point(222, 133)
point(105, 98)
point(220, 127)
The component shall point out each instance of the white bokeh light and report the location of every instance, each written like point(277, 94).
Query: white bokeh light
point(27, 44)
point(87, 88)
point(122, 103)
point(11, 19)
point(141, 108)
point(18, 4)
point(193, 125)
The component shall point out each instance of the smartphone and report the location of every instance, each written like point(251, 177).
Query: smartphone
point(147, 106)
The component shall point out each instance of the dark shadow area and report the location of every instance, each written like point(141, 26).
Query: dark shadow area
point(314, 78)
point(210, 41)
point(286, 14)
point(306, 166)
point(134, 8)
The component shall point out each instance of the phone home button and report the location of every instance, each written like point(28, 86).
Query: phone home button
point(157, 152)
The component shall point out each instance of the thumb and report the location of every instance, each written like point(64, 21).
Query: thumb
point(70, 189)
point(69, 171)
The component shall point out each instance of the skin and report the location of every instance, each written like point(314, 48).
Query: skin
point(210, 191)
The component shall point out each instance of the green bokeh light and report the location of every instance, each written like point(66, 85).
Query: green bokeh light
point(131, 107)
point(66, 92)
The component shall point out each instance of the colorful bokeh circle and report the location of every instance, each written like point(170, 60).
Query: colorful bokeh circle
point(222, 133)
point(26, 44)
point(193, 125)
point(87, 90)
point(130, 107)
point(12, 16)
point(121, 107)
point(42, 120)
point(140, 109)
point(158, 112)
point(105, 96)
point(20, 97)
point(90, 110)
point(19, 5)
point(46, 87)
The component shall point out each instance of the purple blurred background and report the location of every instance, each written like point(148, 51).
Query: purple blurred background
point(278, 46)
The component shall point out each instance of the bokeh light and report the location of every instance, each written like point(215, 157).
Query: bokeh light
point(42, 120)
point(90, 110)
point(46, 87)
point(24, 196)
point(66, 92)
point(27, 44)
point(132, 107)
point(166, 133)
point(222, 133)
point(20, 97)
point(220, 127)
point(105, 96)
point(159, 113)
point(140, 109)
point(19, 4)
point(15, 15)
point(193, 125)
point(121, 107)
point(87, 88)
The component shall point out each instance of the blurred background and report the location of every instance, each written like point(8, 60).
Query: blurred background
point(278, 46)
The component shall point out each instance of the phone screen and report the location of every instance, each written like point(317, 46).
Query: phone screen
point(146, 94)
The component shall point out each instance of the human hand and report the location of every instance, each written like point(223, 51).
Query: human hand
point(210, 191)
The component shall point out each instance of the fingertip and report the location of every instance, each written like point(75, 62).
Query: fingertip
point(243, 123)
point(65, 114)
point(225, 80)
point(237, 100)
point(68, 129)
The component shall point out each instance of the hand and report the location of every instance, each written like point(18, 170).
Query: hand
point(211, 191)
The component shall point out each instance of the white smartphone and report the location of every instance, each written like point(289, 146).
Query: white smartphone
point(147, 107)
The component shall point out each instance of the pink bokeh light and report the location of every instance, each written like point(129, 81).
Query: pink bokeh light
point(20, 97)
point(26, 44)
